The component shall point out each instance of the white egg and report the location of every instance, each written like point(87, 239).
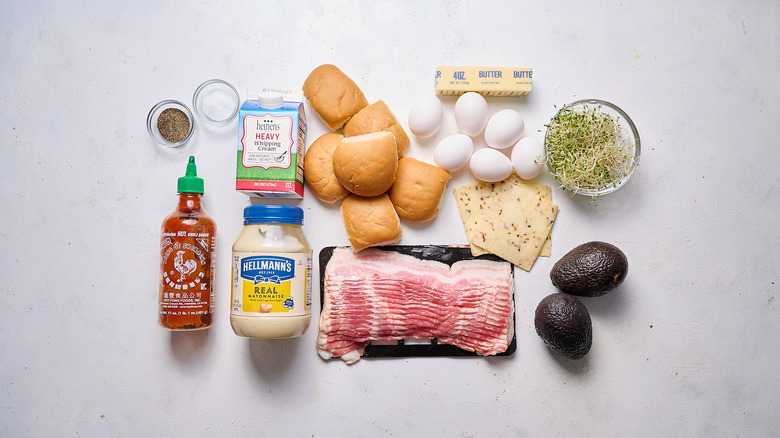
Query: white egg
point(490, 165)
point(453, 152)
point(504, 129)
point(528, 157)
point(471, 113)
point(426, 116)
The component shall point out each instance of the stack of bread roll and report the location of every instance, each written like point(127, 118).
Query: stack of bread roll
point(364, 163)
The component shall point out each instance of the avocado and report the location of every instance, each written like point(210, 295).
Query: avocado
point(563, 323)
point(590, 270)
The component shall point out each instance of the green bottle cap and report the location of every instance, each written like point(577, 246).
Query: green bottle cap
point(190, 183)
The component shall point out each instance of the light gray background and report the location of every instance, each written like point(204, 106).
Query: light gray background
point(688, 346)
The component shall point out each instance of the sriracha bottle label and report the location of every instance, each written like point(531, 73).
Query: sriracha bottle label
point(186, 290)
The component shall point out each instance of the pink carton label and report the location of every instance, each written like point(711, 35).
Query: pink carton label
point(271, 144)
point(268, 141)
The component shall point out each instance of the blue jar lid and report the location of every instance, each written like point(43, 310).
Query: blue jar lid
point(274, 214)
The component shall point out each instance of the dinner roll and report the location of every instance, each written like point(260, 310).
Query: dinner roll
point(318, 169)
point(333, 95)
point(370, 221)
point(418, 189)
point(374, 118)
point(366, 164)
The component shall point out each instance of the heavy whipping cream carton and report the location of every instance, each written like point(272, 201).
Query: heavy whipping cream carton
point(271, 143)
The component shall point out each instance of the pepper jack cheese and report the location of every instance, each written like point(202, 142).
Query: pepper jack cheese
point(546, 193)
point(487, 81)
point(509, 219)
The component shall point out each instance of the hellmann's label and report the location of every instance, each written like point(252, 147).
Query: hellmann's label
point(271, 283)
point(271, 144)
point(487, 81)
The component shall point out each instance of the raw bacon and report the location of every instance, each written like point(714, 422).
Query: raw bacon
point(378, 295)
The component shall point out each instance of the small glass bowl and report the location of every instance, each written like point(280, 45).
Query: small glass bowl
point(216, 102)
point(154, 114)
point(628, 131)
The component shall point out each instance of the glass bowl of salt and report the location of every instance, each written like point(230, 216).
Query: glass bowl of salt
point(216, 102)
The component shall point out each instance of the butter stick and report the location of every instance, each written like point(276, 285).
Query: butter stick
point(487, 81)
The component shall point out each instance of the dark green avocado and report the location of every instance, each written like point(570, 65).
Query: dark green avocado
point(590, 270)
point(563, 323)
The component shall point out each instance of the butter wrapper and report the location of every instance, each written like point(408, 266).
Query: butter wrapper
point(487, 81)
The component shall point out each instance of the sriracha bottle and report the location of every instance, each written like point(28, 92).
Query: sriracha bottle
point(187, 250)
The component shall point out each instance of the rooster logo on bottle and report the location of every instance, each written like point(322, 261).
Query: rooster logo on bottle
point(184, 267)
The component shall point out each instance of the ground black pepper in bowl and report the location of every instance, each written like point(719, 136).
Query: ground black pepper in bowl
point(173, 125)
point(170, 123)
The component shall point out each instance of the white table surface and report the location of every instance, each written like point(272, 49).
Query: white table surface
point(687, 346)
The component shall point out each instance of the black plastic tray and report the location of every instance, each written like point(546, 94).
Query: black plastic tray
point(421, 348)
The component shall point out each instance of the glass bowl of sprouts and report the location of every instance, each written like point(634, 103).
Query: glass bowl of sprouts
point(592, 147)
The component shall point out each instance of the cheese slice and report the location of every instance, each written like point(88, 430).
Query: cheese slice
point(510, 219)
point(546, 192)
point(515, 225)
point(470, 201)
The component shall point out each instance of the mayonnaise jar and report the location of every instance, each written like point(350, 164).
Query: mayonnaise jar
point(271, 274)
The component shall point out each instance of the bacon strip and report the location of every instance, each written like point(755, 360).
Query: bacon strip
point(377, 295)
